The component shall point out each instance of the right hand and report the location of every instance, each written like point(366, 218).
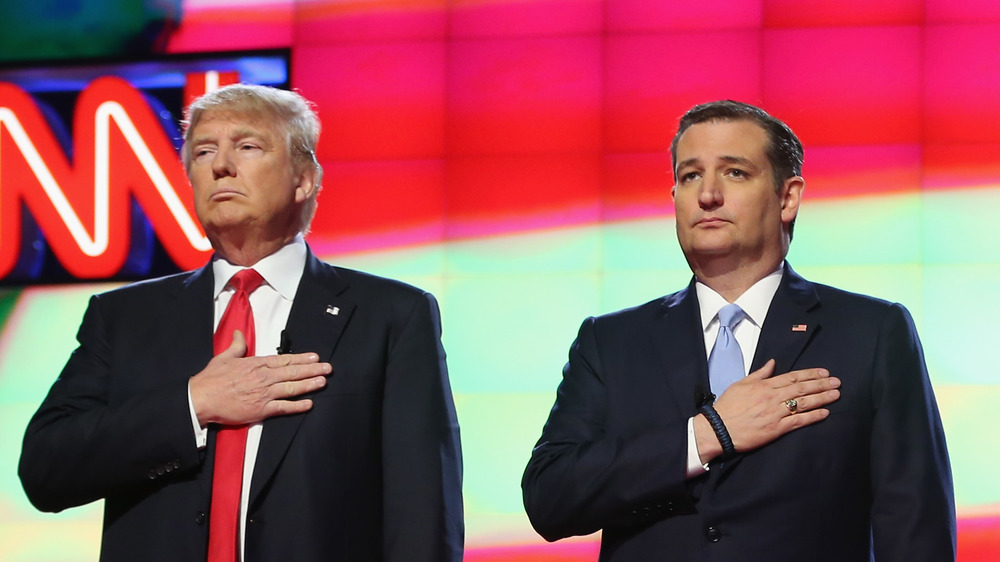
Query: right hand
point(754, 412)
point(236, 390)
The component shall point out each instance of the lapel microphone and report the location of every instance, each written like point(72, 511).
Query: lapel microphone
point(702, 398)
point(286, 343)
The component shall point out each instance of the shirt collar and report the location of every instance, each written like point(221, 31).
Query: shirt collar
point(281, 270)
point(755, 301)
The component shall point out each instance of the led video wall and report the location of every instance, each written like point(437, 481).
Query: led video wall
point(510, 156)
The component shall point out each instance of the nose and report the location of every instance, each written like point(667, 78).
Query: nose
point(222, 164)
point(710, 192)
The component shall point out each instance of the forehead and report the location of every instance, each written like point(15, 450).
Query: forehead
point(720, 139)
point(228, 122)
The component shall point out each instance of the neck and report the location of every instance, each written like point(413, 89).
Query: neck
point(730, 279)
point(245, 251)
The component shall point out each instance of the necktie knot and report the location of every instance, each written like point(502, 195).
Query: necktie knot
point(725, 363)
point(731, 315)
point(246, 280)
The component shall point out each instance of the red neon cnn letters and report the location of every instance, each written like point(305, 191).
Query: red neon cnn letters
point(120, 149)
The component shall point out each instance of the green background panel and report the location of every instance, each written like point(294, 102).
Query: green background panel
point(959, 331)
point(858, 231)
point(510, 333)
point(961, 226)
point(971, 417)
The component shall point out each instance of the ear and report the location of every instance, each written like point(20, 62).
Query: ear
point(306, 184)
point(791, 197)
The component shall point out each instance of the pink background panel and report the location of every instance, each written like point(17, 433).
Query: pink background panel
point(843, 171)
point(637, 185)
point(376, 100)
point(493, 194)
point(824, 13)
point(336, 21)
point(366, 205)
point(845, 85)
point(652, 79)
point(963, 83)
point(502, 18)
point(524, 95)
point(662, 15)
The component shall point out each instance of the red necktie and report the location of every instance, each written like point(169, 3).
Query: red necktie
point(231, 441)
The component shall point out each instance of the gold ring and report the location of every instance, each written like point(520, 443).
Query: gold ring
point(792, 405)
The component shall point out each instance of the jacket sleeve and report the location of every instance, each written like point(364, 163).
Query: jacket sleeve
point(85, 443)
point(422, 456)
point(913, 505)
point(592, 469)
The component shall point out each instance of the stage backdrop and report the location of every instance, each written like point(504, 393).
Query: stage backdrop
point(511, 157)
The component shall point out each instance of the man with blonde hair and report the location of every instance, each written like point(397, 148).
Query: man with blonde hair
point(203, 441)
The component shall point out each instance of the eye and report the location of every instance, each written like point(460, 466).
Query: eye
point(201, 152)
point(689, 176)
point(737, 173)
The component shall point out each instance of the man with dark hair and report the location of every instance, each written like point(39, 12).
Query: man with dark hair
point(342, 446)
point(753, 415)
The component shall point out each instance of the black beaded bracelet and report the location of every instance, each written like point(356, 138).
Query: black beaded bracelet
point(728, 450)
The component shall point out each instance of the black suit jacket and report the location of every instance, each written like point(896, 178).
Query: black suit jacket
point(873, 479)
point(372, 472)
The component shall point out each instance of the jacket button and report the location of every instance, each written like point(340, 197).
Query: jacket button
point(713, 534)
point(199, 518)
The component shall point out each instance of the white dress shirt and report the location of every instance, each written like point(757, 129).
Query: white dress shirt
point(271, 303)
point(755, 302)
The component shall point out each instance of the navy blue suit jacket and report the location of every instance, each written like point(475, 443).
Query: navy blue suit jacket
point(372, 472)
point(872, 480)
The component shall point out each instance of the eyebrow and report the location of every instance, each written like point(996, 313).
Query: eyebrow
point(238, 135)
point(726, 158)
point(739, 160)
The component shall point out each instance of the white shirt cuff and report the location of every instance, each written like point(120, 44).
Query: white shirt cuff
point(200, 433)
point(694, 465)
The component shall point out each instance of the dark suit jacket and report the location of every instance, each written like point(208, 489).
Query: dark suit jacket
point(372, 472)
point(873, 479)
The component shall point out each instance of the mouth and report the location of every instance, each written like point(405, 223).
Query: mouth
point(710, 222)
point(224, 194)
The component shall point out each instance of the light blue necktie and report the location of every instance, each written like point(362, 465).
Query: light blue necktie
point(725, 364)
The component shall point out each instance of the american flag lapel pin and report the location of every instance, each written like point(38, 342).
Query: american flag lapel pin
point(333, 310)
point(799, 327)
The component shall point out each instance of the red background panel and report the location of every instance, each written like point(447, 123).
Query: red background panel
point(824, 13)
point(637, 185)
point(493, 194)
point(231, 27)
point(652, 79)
point(846, 85)
point(376, 100)
point(963, 83)
point(961, 165)
point(841, 171)
point(335, 21)
point(659, 15)
point(969, 11)
point(493, 18)
point(524, 95)
point(367, 205)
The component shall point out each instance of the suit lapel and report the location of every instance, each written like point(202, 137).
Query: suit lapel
point(793, 320)
point(189, 340)
point(319, 315)
point(679, 344)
